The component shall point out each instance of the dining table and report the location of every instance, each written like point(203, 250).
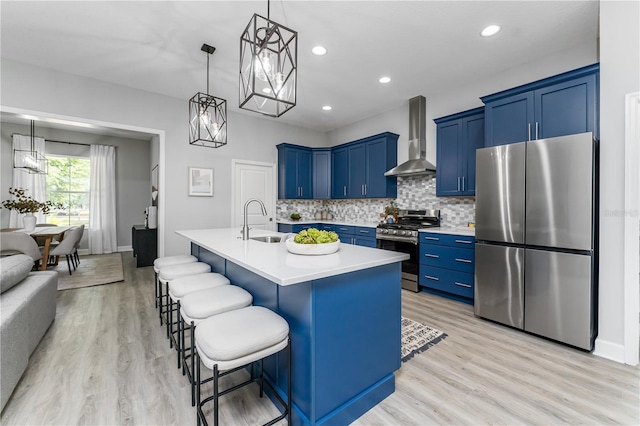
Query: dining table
point(48, 233)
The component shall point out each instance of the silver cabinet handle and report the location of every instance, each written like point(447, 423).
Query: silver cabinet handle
point(365, 189)
point(536, 130)
point(462, 285)
point(432, 255)
point(458, 183)
point(345, 190)
point(429, 277)
point(463, 183)
point(363, 231)
point(463, 242)
point(432, 238)
point(528, 131)
point(463, 260)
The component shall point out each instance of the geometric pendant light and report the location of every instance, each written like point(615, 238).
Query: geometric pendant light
point(268, 66)
point(207, 115)
point(30, 160)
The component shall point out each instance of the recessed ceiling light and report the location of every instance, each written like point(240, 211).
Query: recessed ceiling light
point(490, 30)
point(384, 80)
point(319, 50)
point(326, 108)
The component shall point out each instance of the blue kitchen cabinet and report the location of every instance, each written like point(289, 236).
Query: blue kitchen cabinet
point(359, 235)
point(358, 167)
point(458, 137)
point(446, 265)
point(294, 172)
point(321, 173)
point(556, 106)
point(295, 227)
point(339, 172)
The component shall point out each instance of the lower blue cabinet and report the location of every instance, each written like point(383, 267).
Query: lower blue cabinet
point(447, 265)
point(295, 227)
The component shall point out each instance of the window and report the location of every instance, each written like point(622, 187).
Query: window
point(68, 183)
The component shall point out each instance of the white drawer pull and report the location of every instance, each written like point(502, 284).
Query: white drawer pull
point(432, 278)
point(463, 241)
point(431, 255)
point(463, 260)
point(462, 285)
point(364, 231)
point(432, 238)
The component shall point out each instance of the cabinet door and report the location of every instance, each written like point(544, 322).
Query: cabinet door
point(365, 241)
point(357, 171)
point(472, 139)
point(321, 173)
point(304, 174)
point(566, 108)
point(339, 172)
point(376, 166)
point(508, 120)
point(290, 173)
point(447, 154)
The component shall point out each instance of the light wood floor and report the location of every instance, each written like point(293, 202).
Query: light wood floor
point(106, 361)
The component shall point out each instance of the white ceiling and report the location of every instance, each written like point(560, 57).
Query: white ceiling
point(426, 47)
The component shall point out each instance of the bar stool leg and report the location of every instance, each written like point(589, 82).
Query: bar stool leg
point(193, 351)
point(215, 395)
point(178, 345)
point(289, 383)
point(199, 405)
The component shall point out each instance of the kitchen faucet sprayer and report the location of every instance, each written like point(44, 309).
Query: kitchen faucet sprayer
point(245, 226)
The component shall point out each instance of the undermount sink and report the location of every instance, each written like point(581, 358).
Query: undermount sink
point(267, 239)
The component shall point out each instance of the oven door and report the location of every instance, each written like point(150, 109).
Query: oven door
point(410, 266)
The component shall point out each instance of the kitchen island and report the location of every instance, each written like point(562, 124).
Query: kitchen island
point(343, 311)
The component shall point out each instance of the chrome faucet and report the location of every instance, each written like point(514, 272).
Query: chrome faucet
point(245, 226)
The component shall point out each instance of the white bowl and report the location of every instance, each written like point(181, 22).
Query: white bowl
point(312, 249)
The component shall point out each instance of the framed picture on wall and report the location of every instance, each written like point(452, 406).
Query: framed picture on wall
point(200, 182)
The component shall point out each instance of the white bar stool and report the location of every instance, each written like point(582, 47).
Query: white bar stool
point(200, 305)
point(232, 340)
point(168, 261)
point(180, 287)
point(170, 273)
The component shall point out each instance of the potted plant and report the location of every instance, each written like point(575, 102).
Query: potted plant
point(295, 216)
point(24, 204)
point(392, 210)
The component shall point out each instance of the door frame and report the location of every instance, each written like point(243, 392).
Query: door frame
point(631, 231)
point(270, 203)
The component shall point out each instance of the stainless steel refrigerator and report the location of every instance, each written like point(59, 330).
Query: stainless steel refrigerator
point(536, 237)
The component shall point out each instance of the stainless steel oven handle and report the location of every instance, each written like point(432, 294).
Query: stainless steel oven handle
point(397, 239)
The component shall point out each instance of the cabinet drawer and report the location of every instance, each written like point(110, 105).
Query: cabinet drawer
point(455, 258)
point(327, 226)
point(365, 241)
point(345, 229)
point(453, 282)
point(364, 231)
point(447, 239)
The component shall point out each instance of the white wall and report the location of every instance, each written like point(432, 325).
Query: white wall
point(619, 75)
point(250, 137)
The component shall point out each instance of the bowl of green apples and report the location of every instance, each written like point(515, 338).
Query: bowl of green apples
point(313, 242)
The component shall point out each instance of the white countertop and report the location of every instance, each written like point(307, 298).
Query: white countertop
point(273, 262)
point(459, 230)
point(330, 222)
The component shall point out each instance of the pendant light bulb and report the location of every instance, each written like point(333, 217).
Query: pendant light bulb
point(263, 66)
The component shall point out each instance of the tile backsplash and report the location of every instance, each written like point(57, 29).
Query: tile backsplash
point(414, 192)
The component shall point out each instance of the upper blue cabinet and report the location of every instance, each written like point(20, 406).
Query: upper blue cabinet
point(358, 168)
point(556, 106)
point(321, 173)
point(295, 172)
point(458, 137)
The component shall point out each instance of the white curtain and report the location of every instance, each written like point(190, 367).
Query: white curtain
point(102, 205)
point(34, 183)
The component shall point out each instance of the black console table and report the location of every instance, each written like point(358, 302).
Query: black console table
point(144, 243)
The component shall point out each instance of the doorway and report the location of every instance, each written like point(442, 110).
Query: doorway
point(252, 179)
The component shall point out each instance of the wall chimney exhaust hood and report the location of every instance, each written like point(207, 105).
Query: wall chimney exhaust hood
point(417, 134)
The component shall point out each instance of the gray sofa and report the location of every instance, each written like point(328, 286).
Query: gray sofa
point(27, 309)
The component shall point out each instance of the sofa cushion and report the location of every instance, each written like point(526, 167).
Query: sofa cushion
point(14, 269)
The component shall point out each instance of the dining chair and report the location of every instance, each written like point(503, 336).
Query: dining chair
point(19, 242)
point(68, 245)
point(75, 251)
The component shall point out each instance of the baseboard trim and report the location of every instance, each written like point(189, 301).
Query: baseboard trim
point(124, 248)
point(609, 350)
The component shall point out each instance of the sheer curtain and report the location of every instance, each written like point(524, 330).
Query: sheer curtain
point(35, 183)
point(102, 205)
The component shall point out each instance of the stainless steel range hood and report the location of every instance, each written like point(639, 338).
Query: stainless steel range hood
point(417, 135)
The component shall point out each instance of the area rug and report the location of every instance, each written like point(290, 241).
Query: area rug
point(96, 269)
point(417, 338)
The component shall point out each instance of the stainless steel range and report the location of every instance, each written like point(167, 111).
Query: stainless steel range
point(403, 237)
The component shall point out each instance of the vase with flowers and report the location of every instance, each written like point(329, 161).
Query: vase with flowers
point(24, 204)
point(392, 210)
